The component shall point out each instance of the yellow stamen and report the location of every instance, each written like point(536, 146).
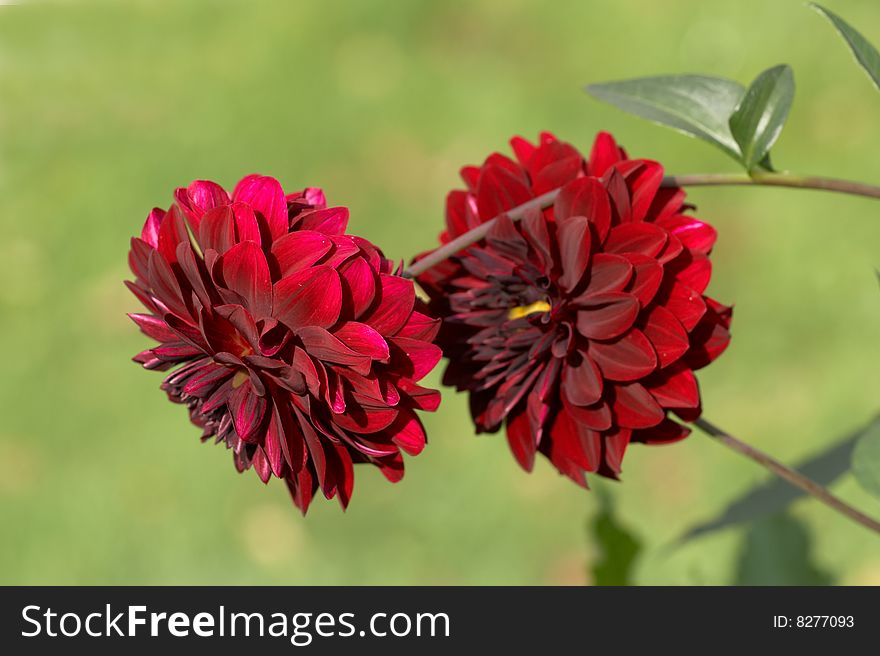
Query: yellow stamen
point(525, 310)
point(239, 378)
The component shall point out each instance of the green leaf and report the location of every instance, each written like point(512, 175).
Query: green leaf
point(777, 551)
point(776, 495)
point(618, 547)
point(866, 54)
point(697, 105)
point(760, 115)
point(866, 461)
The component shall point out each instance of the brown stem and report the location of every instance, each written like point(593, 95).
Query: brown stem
point(691, 180)
point(789, 475)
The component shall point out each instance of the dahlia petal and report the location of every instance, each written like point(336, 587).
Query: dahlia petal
point(311, 297)
point(199, 197)
point(420, 326)
point(667, 201)
point(328, 221)
point(165, 285)
point(582, 382)
point(409, 434)
point(247, 227)
point(577, 443)
point(217, 230)
point(671, 250)
point(667, 335)
point(535, 230)
point(604, 154)
point(321, 344)
point(185, 330)
point(695, 235)
point(686, 304)
point(504, 162)
point(522, 149)
point(418, 357)
point(361, 338)
point(145, 297)
point(150, 231)
point(522, 442)
point(421, 398)
point(498, 190)
point(139, 258)
point(176, 351)
point(630, 357)
point(647, 277)
point(243, 322)
point(608, 273)
point(666, 432)
point(206, 380)
point(265, 195)
point(344, 247)
point(711, 336)
point(299, 250)
point(288, 436)
point(360, 419)
point(247, 410)
point(675, 387)
point(618, 192)
point(302, 489)
point(615, 447)
point(596, 417)
point(261, 465)
point(696, 273)
point(194, 273)
point(556, 174)
point(154, 327)
point(635, 407)
point(397, 297)
point(605, 316)
point(504, 238)
point(246, 272)
point(172, 231)
point(391, 467)
point(585, 197)
point(358, 286)
point(220, 334)
point(574, 248)
point(643, 181)
point(643, 238)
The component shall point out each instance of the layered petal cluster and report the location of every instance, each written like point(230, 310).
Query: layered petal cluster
point(579, 328)
point(296, 345)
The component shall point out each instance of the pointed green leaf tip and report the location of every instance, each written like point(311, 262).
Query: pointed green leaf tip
point(760, 115)
point(866, 54)
point(866, 461)
point(694, 104)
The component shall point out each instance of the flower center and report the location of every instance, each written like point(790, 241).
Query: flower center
point(525, 310)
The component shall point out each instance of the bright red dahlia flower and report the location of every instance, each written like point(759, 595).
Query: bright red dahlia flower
point(295, 344)
point(579, 329)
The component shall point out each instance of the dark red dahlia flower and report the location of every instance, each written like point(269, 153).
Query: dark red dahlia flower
point(295, 344)
point(579, 329)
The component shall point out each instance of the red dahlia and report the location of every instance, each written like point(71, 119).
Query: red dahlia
point(295, 344)
point(580, 328)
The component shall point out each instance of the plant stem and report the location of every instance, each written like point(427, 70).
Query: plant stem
point(773, 180)
point(691, 180)
point(789, 475)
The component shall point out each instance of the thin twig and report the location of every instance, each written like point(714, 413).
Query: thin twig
point(790, 475)
point(691, 180)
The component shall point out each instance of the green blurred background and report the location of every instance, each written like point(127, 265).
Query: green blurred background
point(105, 108)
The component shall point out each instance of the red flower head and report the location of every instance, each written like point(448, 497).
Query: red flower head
point(294, 343)
point(579, 329)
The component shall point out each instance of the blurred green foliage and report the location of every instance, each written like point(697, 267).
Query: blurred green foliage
point(106, 107)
